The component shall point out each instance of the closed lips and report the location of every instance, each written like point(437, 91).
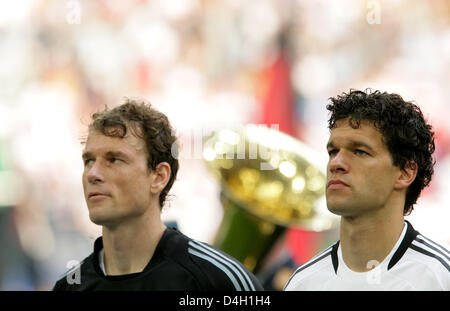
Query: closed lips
point(336, 182)
point(91, 194)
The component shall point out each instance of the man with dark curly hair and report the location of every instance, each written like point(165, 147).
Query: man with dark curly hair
point(130, 164)
point(380, 158)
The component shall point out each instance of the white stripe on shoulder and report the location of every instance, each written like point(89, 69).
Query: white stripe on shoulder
point(431, 250)
point(325, 252)
point(218, 265)
point(441, 248)
point(308, 263)
point(242, 275)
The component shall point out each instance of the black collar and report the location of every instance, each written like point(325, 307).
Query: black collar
point(161, 246)
point(406, 242)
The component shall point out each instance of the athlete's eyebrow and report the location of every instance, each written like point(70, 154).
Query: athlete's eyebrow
point(116, 154)
point(359, 144)
point(120, 154)
point(86, 155)
point(330, 145)
point(352, 144)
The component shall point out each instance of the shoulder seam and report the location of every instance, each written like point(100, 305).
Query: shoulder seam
point(433, 245)
point(218, 265)
point(430, 254)
point(313, 261)
point(431, 249)
point(228, 266)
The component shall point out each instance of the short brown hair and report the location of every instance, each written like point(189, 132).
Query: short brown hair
point(147, 123)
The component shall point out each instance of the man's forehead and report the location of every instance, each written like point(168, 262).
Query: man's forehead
point(99, 141)
point(365, 131)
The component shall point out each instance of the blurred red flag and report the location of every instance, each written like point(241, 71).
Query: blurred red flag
point(278, 107)
point(277, 96)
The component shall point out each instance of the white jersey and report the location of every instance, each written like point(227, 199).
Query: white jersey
point(414, 263)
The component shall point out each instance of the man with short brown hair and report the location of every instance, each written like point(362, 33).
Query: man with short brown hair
point(129, 169)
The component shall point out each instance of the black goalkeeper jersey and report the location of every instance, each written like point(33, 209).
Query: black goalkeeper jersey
point(178, 263)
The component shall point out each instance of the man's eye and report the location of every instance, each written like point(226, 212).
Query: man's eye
point(88, 161)
point(332, 152)
point(360, 152)
point(115, 160)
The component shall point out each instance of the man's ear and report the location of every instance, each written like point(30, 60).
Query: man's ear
point(160, 177)
point(407, 175)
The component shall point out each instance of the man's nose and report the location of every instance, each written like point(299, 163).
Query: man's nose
point(94, 173)
point(338, 163)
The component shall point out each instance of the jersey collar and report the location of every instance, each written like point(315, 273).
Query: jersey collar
point(161, 246)
point(407, 240)
point(410, 235)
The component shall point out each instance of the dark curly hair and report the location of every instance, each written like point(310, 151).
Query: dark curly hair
point(148, 124)
point(405, 132)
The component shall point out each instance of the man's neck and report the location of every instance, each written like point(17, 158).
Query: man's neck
point(130, 246)
point(368, 240)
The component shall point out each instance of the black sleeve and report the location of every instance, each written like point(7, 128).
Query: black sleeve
point(60, 285)
point(220, 271)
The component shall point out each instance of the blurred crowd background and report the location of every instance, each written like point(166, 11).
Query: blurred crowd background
point(204, 63)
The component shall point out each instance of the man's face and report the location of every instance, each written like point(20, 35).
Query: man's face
point(116, 180)
point(360, 172)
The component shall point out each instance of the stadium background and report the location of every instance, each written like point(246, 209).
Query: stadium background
point(203, 63)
